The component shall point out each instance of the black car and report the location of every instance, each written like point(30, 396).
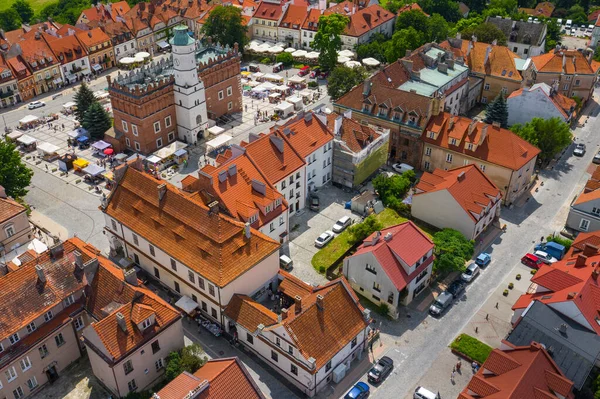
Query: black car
point(456, 288)
point(381, 370)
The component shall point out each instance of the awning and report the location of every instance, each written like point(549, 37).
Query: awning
point(93, 169)
point(216, 130)
point(169, 150)
point(180, 152)
point(77, 132)
point(82, 139)
point(100, 145)
point(217, 142)
point(127, 60)
point(26, 140)
point(28, 119)
point(85, 71)
point(69, 104)
point(120, 157)
point(187, 304)
point(162, 44)
point(293, 99)
point(296, 79)
point(275, 95)
point(306, 93)
point(284, 106)
point(14, 135)
point(57, 81)
point(47, 148)
point(97, 67)
point(153, 159)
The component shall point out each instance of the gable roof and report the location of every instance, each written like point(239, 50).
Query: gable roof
point(587, 197)
point(518, 372)
point(217, 379)
point(312, 19)
point(212, 245)
point(355, 136)
point(468, 185)
point(92, 37)
point(583, 239)
point(407, 242)
point(522, 32)
point(37, 51)
point(9, 208)
point(411, 7)
point(563, 104)
point(563, 61)
point(306, 133)
point(294, 16)
point(269, 11)
point(499, 146)
point(366, 20)
point(67, 48)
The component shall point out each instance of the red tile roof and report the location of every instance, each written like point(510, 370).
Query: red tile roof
point(498, 146)
point(67, 49)
point(294, 17)
point(92, 37)
point(407, 242)
point(583, 238)
point(212, 245)
point(305, 136)
point(468, 185)
point(552, 62)
point(270, 11)
point(367, 19)
point(292, 286)
point(10, 208)
point(410, 7)
point(518, 373)
point(249, 314)
point(312, 20)
point(593, 16)
point(217, 379)
point(355, 136)
point(587, 197)
point(37, 51)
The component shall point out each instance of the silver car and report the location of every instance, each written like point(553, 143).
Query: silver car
point(545, 257)
point(471, 272)
point(341, 224)
point(324, 239)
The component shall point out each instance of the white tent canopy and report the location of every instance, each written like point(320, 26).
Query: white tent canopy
point(77, 132)
point(289, 50)
point(296, 79)
point(266, 86)
point(29, 119)
point(14, 135)
point(258, 75)
point(370, 62)
point(69, 105)
point(187, 304)
point(142, 54)
point(153, 159)
point(352, 64)
point(276, 50)
point(273, 77)
point(47, 148)
point(127, 60)
point(306, 93)
point(169, 150)
point(346, 53)
point(265, 47)
point(274, 95)
point(26, 140)
point(138, 59)
point(299, 53)
point(342, 60)
point(93, 169)
point(284, 106)
point(216, 130)
point(313, 55)
point(218, 142)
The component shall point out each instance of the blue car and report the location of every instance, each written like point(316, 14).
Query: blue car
point(358, 391)
point(483, 259)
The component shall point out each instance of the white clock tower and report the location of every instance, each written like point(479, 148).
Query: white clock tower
point(190, 100)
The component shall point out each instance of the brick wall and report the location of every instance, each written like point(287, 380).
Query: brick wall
point(218, 77)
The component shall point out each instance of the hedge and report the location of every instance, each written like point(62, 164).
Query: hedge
point(471, 347)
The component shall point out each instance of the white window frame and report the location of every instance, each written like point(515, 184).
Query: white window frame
point(137, 146)
point(229, 91)
point(220, 95)
point(155, 129)
point(11, 374)
point(146, 323)
point(125, 127)
point(18, 392)
point(134, 129)
point(32, 383)
point(48, 316)
point(14, 338)
point(78, 323)
point(584, 222)
point(25, 363)
point(168, 121)
point(159, 142)
point(31, 327)
point(448, 157)
point(127, 142)
point(69, 300)
point(171, 136)
point(159, 364)
point(9, 230)
point(229, 106)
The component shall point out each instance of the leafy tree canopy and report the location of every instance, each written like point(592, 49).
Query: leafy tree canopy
point(446, 8)
point(286, 58)
point(360, 231)
point(10, 19)
point(327, 39)
point(24, 10)
point(486, 33)
point(452, 250)
point(549, 135)
point(412, 18)
point(343, 78)
point(225, 25)
point(402, 40)
point(15, 176)
point(392, 189)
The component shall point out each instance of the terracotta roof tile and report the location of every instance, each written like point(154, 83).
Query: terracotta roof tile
point(67, 49)
point(366, 20)
point(312, 20)
point(306, 136)
point(294, 17)
point(552, 62)
point(9, 208)
point(587, 197)
point(410, 7)
point(248, 313)
point(270, 11)
point(292, 286)
point(92, 37)
point(37, 51)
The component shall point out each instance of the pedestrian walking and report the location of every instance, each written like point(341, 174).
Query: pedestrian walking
point(246, 107)
point(458, 365)
point(452, 376)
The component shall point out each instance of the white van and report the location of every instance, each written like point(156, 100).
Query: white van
point(568, 24)
point(285, 262)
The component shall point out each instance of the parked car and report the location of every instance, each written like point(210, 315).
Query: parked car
point(422, 393)
point(456, 288)
point(552, 248)
point(382, 369)
point(285, 262)
point(402, 167)
point(314, 202)
point(596, 158)
point(358, 391)
point(36, 104)
point(471, 272)
point(579, 150)
point(531, 260)
point(545, 257)
point(483, 259)
point(341, 224)
point(324, 239)
point(442, 302)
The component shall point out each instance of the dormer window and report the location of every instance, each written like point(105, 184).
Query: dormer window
point(366, 108)
point(146, 323)
point(412, 120)
point(382, 112)
point(470, 147)
point(397, 116)
point(453, 142)
point(431, 135)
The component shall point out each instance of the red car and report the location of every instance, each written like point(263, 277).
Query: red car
point(532, 261)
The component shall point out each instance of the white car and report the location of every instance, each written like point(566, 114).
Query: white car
point(341, 224)
point(36, 104)
point(545, 257)
point(422, 393)
point(324, 239)
point(402, 167)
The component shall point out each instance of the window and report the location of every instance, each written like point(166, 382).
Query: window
point(294, 369)
point(168, 121)
point(229, 106)
point(427, 151)
point(146, 323)
point(277, 341)
point(274, 356)
point(280, 220)
point(14, 338)
point(159, 142)
point(134, 129)
point(31, 326)
point(577, 81)
point(18, 392)
point(156, 273)
point(11, 374)
point(211, 289)
point(9, 230)
point(204, 307)
point(113, 224)
point(131, 385)
point(70, 300)
point(59, 339)
point(229, 91)
point(213, 313)
point(201, 282)
point(151, 247)
point(376, 286)
point(566, 86)
point(32, 383)
point(127, 142)
point(176, 285)
point(191, 277)
point(220, 95)
point(482, 166)
point(158, 364)
point(431, 135)
point(391, 297)
point(25, 363)
point(78, 323)
point(155, 347)
point(249, 338)
point(290, 349)
point(125, 127)
point(156, 126)
point(48, 316)
point(453, 141)
point(596, 210)
point(448, 157)
point(371, 268)
point(328, 366)
point(43, 351)
point(171, 137)
point(584, 224)
point(354, 341)
point(137, 146)
point(470, 147)
point(135, 239)
point(486, 86)
point(128, 367)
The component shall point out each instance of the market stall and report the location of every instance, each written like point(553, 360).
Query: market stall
point(169, 155)
point(215, 130)
point(274, 98)
point(218, 143)
point(78, 132)
point(154, 163)
point(99, 147)
point(69, 107)
point(65, 162)
point(28, 122)
point(271, 77)
point(258, 76)
point(93, 173)
point(48, 152)
point(83, 142)
point(297, 79)
point(307, 95)
point(187, 304)
point(102, 96)
point(282, 89)
point(284, 109)
point(27, 143)
point(296, 102)
point(80, 164)
point(14, 135)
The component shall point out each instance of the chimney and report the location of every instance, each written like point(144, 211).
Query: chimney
point(589, 250)
point(581, 259)
point(298, 303)
point(408, 53)
point(337, 125)
point(131, 276)
point(496, 124)
point(596, 272)
point(90, 268)
point(3, 193)
point(40, 273)
point(563, 329)
point(461, 176)
point(121, 322)
point(259, 186)
point(247, 231)
point(284, 313)
point(471, 126)
point(205, 180)
point(90, 33)
point(442, 67)
point(564, 63)
point(320, 302)
point(78, 259)
point(162, 189)
point(488, 51)
point(213, 207)
point(376, 237)
point(388, 237)
point(232, 170)
point(56, 251)
point(483, 135)
point(277, 142)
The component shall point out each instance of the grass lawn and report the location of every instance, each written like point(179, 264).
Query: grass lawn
point(471, 347)
point(37, 5)
point(327, 256)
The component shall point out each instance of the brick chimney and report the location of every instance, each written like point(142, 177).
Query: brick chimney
point(284, 313)
point(162, 190)
point(589, 250)
point(121, 322)
point(320, 302)
point(40, 273)
point(298, 303)
point(581, 259)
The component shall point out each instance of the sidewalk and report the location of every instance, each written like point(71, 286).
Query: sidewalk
point(48, 225)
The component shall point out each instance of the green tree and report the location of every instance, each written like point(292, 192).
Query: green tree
point(552, 35)
point(24, 10)
point(15, 176)
point(343, 78)
point(446, 8)
point(452, 250)
point(486, 33)
point(360, 231)
point(508, 6)
point(375, 48)
point(173, 368)
point(437, 28)
point(286, 58)
point(392, 189)
point(413, 18)
point(550, 135)
point(392, 5)
point(464, 24)
point(10, 19)
point(191, 358)
point(225, 25)
point(327, 39)
point(497, 111)
point(577, 14)
point(402, 40)
point(84, 98)
point(97, 121)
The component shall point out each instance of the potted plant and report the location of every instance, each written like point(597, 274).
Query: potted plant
point(505, 293)
point(518, 276)
point(510, 286)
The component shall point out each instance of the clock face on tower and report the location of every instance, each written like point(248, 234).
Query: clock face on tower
point(176, 61)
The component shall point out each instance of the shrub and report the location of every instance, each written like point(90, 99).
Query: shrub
point(77, 181)
point(285, 58)
point(54, 170)
point(518, 277)
point(402, 208)
point(322, 269)
point(511, 286)
point(561, 240)
point(505, 293)
point(471, 347)
point(265, 60)
point(533, 271)
point(313, 85)
point(383, 309)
